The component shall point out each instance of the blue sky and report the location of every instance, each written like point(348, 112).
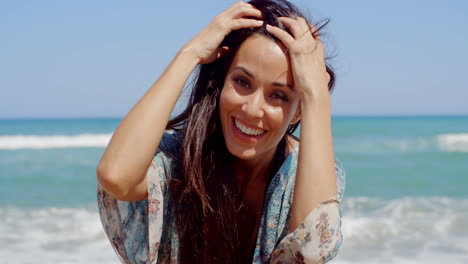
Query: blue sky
point(97, 58)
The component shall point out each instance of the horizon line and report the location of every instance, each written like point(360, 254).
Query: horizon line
point(121, 117)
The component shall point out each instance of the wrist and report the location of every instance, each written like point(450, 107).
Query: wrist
point(315, 98)
point(188, 54)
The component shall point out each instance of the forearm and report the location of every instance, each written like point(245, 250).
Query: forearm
point(315, 177)
point(132, 147)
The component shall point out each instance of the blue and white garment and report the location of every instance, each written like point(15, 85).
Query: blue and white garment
point(145, 231)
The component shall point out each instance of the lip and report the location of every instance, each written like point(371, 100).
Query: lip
point(244, 137)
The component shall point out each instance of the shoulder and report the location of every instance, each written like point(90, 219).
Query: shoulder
point(171, 142)
point(167, 153)
point(340, 179)
point(292, 148)
point(292, 144)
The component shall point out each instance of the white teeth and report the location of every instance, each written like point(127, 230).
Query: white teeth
point(247, 130)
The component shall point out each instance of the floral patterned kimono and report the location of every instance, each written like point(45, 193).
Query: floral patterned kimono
point(145, 232)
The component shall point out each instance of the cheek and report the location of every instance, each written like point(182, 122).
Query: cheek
point(278, 117)
point(228, 99)
point(223, 100)
point(225, 105)
point(281, 118)
point(292, 110)
point(282, 115)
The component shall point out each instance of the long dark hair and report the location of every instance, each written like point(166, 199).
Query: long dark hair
point(212, 220)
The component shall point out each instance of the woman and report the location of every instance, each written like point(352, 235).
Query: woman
point(229, 183)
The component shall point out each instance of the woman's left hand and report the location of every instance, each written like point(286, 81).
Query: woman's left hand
point(307, 56)
point(315, 176)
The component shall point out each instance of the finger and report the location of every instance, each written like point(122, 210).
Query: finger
point(282, 35)
point(291, 24)
point(242, 9)
point(245, 23)
point(249, 12)
point(303, 24)
point(315, 32)
point(312, 28)
point(294, 26)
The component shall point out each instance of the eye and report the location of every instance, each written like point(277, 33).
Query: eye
point(279, 95)
point(242, 82)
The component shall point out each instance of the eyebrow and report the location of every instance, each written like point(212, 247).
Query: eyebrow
point(253, 77)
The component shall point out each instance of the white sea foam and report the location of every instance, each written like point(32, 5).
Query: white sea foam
point(11, 142)
point(53, 235)
point(453, 142)
point(403, 145)
point(407, 145)
point(408, 230)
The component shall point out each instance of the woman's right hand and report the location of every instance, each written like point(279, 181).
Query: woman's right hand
point(205, 45)
point(123, 166)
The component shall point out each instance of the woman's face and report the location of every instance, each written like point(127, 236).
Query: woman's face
point(258, 101)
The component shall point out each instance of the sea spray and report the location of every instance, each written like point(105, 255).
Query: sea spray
point(13, 142)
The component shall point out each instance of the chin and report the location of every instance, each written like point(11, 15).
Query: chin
point(241, 153)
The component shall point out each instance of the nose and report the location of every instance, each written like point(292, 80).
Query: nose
point(254, 105)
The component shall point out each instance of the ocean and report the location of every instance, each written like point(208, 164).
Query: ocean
point(406, 197)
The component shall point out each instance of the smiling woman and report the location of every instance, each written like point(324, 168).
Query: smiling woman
point(229, 182)
point(258, 102)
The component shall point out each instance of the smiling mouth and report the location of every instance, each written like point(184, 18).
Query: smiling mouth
point(247, 130)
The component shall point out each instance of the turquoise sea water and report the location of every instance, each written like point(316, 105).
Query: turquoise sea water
point(406, 197)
